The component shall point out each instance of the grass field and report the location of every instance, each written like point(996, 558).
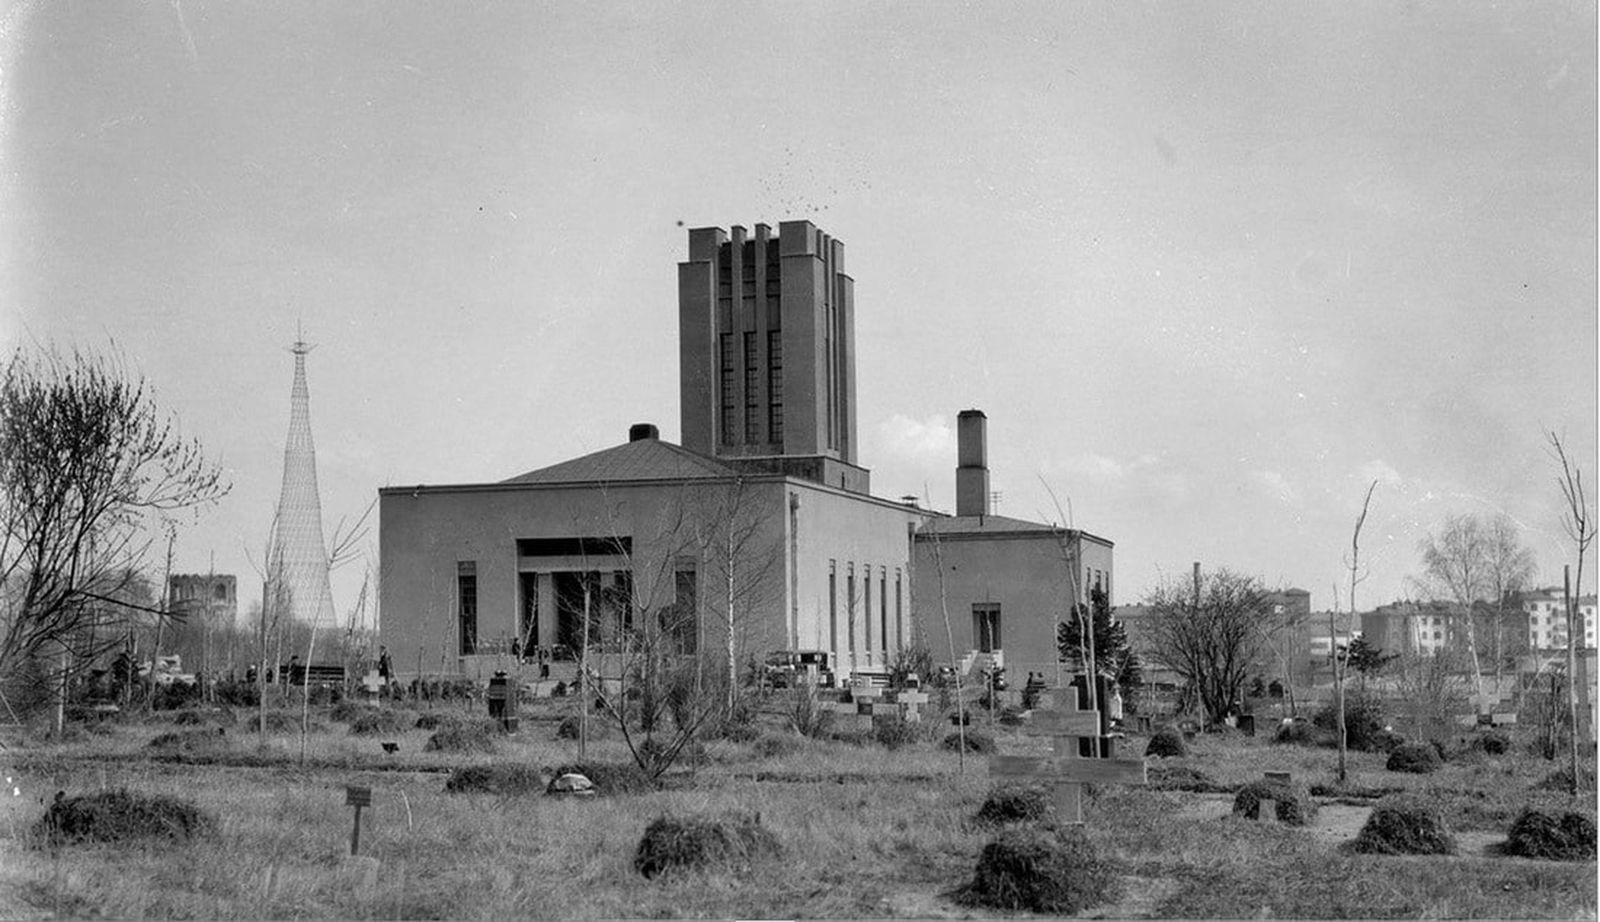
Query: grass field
point(865, 832)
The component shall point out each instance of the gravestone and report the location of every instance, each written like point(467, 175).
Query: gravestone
point(1065, 769)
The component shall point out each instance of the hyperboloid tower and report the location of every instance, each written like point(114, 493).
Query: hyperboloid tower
point(297, 588)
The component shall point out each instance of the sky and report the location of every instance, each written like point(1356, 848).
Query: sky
point(1209, 269)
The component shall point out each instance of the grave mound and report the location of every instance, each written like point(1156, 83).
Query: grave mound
point(503, 778)
point(380, 721)
point(1184, 778)
point(1404, 825)
point(1416, 758)
point(1567, 837)
point(1041, 869)
point(611, 778)
point(120, 816)
point(981, 743)
point(571, 727)
point(699, 842)
point(1014, 803)
point(189, 741)
point(1493, 743)
point(473, 737)
point(773, 745)
point(1166, 743)
point(194, 717)
point(282, 722)
point(1293, 805)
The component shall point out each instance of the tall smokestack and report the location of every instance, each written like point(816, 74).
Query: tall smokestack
point(972, 463)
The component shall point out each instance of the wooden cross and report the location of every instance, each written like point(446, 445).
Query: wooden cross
point(1064, 768)
point(910, 703)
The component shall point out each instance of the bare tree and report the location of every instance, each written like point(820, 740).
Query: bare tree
point(1208, 635)
point(1341, 664)
point(1580, 527)
point(1456, 570)
point(87, 464)
point(1510, 569)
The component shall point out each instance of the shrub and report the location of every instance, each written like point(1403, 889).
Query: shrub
point(1568, 837)
point(1561, 780)
point(1363, 721)
point(473, 737)
point(1167, 742)
point(1048, 870)
point(1493, 743)
point(346, 711)
point(671, 842)
point(1183, 778)
point(571, 727)
point(372, 720)
point(190, 741)
point(119, 816)
point(1296, 732)
point(1294, 806)
point(773, 745)
point(1404, 825)
point(610, 777)
point(981, 743)
point(894, 732)
point(1416, 758)
point(1014, 803)
point(504, 778)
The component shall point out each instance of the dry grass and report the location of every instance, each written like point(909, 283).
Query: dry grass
point(865, 833)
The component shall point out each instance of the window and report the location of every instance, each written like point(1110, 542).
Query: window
point(774, 386)
point(986, 626)
point(220, 593)
point(899, 620)
point(680, 620)
point(725, 348)
point(833, 607)
point(467, 606)
point(866, 602)
point(850, 606)
point(752, 406)
point(883, 609)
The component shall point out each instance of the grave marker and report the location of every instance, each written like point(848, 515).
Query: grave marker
point(1065, 769)
point(357, 797)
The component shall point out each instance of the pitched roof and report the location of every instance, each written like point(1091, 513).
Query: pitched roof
point(645, 459)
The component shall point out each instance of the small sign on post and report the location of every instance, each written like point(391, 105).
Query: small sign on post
point(358, 797)
point(1064, 768)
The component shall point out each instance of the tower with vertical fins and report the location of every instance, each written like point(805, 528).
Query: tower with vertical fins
point(297, 587)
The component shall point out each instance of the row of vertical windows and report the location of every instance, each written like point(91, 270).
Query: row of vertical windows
point(725, 347)
point(774, 386)
point(868, 627)
point(752, 404)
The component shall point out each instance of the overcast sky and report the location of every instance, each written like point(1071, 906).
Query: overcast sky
point(1209, 268)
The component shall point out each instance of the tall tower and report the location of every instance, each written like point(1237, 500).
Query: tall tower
point(297, 558)
point(766, 351)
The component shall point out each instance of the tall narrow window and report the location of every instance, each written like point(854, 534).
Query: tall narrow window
point(833, 607)
point(850, 608)
point(986, 626)
point(467, 606)
point(883, 611)
point(899, 618)
point(725, 348)
point(680, 620)
point(866, 606)
point(752, 402)
point(775, 386)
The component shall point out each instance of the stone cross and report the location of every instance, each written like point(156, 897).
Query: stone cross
point(1064, 768)
point(910, 703)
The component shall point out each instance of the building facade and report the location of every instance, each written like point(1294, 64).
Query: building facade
point(760, 527)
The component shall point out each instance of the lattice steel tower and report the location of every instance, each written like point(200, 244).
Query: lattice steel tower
point(297, 586)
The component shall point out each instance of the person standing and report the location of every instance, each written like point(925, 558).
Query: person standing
point(385, 666)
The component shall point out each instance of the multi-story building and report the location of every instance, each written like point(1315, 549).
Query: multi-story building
point(761, 523)
point(1547, 619)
